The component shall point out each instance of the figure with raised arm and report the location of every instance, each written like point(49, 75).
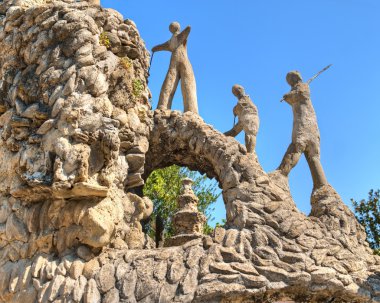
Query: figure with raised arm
point(179, 69)
point(248, 118)
point(305, 135)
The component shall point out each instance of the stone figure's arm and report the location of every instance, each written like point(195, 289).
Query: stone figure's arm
point(235, 130)
point(182, 37)
point(289, 97)
point(161, 47)
point(80, 136)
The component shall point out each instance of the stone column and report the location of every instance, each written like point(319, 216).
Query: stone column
point(188, 222)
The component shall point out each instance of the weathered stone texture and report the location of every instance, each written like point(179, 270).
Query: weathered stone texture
point(77, 135)
point(74, 111)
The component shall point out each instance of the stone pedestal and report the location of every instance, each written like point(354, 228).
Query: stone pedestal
point(188, 222)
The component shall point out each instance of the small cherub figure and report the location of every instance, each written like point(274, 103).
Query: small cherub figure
point(72, 155)
point(110, 145)
point(248, 117)
point(179, 69)
point(305, 135)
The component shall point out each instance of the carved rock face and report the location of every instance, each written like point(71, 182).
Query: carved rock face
point(69, 93)
point(77, 135)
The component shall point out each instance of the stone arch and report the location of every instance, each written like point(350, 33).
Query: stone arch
point(185, 140)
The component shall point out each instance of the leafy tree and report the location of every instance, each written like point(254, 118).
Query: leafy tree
point(368, 214)
point(163, 187)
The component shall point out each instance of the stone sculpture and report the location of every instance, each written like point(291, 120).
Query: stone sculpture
point(305, 135)
point(248, 116)
point(188, 221)
point(65, 97)
point(179, 69)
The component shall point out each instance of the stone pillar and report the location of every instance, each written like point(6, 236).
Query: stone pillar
point(188, 222)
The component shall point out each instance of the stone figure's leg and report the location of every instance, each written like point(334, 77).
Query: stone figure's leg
point(110, 145)
point(290, 159)
point(312, 155)
point(250, 125)
point(83, 166)
point(82, 172)
point(250, 143)
point(58, 170)
point(189, 91)
point(168, 88)
point(170, 102)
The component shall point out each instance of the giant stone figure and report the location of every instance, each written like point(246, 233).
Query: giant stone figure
point(179, 69)
point(248, 117)
point(305, 135)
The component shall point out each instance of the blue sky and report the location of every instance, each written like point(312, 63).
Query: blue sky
point(255, 43)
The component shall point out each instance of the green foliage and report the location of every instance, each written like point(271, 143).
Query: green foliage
point(368, 214)
point(138, 87)
point(126, 63)
point(223, 224)
point(163, 187)
point(104, 40)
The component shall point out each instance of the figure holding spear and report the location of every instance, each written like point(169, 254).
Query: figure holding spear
point(305, 135)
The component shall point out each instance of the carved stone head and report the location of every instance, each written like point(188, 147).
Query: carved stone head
point(293, 78)
point(238, 90)
point(174, 27)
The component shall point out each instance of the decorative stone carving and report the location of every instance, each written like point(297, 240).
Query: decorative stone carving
point(179, 69)
point(68, 101)
point(305, 135)
point(188, 221)
point(248, 116)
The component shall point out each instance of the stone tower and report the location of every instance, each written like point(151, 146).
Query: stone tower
point(188, 221)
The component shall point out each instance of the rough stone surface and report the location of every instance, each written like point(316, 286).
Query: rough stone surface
point(77, 135)
point(67, 128)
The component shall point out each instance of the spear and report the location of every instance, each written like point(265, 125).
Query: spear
point(315, 76)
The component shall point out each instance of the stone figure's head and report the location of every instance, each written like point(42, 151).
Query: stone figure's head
point(293, 77)
point(238, 90)
point(187, 185)
point(174, 27)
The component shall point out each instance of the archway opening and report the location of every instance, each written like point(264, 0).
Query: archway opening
point(163, 186)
